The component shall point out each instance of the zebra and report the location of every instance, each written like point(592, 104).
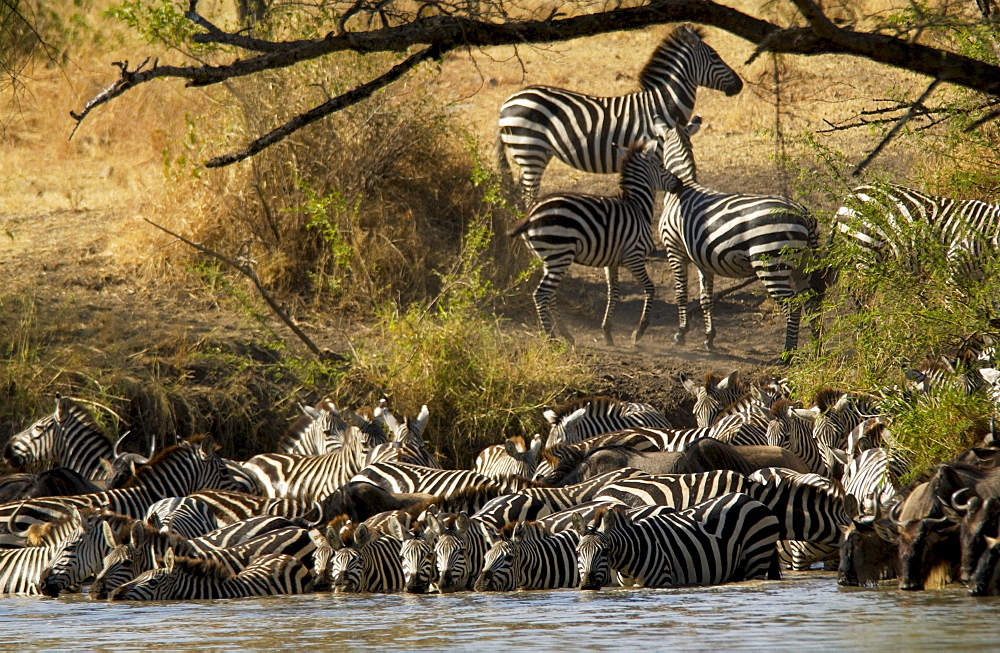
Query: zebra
point(126, 550)
point(581, 130)
point(407, 445)
point(357, 559)
point(838, 413)
point(460, 545)
point(714, 395)
point(514, 457)
point(872, 478)
point(679, 491)
point(68, 436)
point(195, 578)
point(792, 429)
point(599, 231)
point(726, 539)
point(402, 478)
point(309, 478)
point(561, 462)
point(892, 220)
point(82, 552)
point(416, 553)
point(936, 374)
point(735, 235)
point(527, 556)
point(231, 507)
point(185, 516)
point(314, 432)
point(21, 569)
point(567, 496)
point(176, 471)
point(589, 417)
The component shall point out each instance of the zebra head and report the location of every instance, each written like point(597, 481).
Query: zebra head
point(713, 396)
point(839, 413)
point(676, 150)
point(126, 559)
point(52, 438)
point(347, 563)
point(164, 582)
point(592, 549)
point(679, 65)
point(187, 467)
point(80, 555)
point(451, 550)
point(564, 424)
point(786, 422)
point(416, 554)
point(498, 569)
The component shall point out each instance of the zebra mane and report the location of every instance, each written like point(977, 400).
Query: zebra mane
point(338, 522)
point(38, 534)
point(780, 407)
point(168, 453)
point(595, 521)
point(77, 411)
point(533, 530)
point(826, 397)
point(571, 407)
point(712, 379)
point(673, 41)
point(519, 442)
point(295, 431)
point(576, 457)
point(469, 495)
point(202, 568)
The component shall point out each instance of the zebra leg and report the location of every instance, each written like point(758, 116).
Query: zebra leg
point(611, 273)
point(544, 297)
point(531, 169)
point(707, 302)
point(680, 269)
point(638, 270)
point(793, 315)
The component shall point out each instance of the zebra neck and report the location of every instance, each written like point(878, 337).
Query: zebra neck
point(672, 96)
point(81, 449)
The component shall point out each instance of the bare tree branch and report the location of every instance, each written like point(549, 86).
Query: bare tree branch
point(330, 106)
point(452, 29)
point(245, 267)
point(895, 129)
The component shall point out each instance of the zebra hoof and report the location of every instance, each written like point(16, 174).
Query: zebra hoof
point(679, 338)
point(609, 339)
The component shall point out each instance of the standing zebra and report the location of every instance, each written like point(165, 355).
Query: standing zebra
point(514, 457)
point(600, 232)
point(527, 556)
point(68, 436)
point(583, 130)
point(734, 235)
point(588, 417)
point(357, 559)
point(892, 219)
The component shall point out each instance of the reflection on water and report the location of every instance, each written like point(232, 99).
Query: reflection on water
point(807, 610)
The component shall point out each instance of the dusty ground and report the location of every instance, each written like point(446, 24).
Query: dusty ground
point(63, 205)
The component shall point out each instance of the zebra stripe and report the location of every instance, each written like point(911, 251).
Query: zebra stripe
point(191, 578)
point(21, 569)
point(357, 560)
point(540, 122)
point(872, 478)
point(714, 395)
point(407, 445)
point(809, 507)
point(601, 232)
point(730, 538)
point(792, 428)
point(416, 555)
point(737, 236)
point(526, 556)
point(177, 471)
point(678, 491)
point(231, 507)
point(402, 478)
point(839, 413)
point(559, 461)
point(561, 498)
point(892, 220)
point(512, 458)
point(184, 516)
point(589, 417)
point(68, 437)
point(459, 549)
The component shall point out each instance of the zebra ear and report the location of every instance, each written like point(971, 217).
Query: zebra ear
point(803, 413)
point(462, 523)
point(397, 530)
point(688, 384)
point(333, 538)
point(990, 375)
point(430, 520)
point(851, 507)
point(363, 536)
point(519, 531)
point(579, 524)
point(660, 127)
point(550, 416)
point(536, 443)
point(575, 417)
point(168, 560)
point(208, 447)
point(318, 539)
point(422, 418)
point(511, 449)
point(109, 536)
point(137, 533)
point(731, 379)
point(608, 521)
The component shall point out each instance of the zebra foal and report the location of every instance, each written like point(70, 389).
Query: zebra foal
point(600, 232)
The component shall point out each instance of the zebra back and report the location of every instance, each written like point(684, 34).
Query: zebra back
point(679, 491)
point(527, 556)
point(809, 507)
point(401, 478)
point(184, 516)
point(592, 416)
point(514, 457)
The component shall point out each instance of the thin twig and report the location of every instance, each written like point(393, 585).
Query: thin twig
point(247, 270)
point(899, 125)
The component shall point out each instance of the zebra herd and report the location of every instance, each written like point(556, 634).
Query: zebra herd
point(734, 235)
point(614, 495)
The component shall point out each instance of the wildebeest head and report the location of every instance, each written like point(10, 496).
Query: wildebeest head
point(986, 577)
point(868, 552)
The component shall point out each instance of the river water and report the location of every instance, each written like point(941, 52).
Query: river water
point(806, 611)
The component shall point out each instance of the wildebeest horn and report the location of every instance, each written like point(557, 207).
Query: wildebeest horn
point(13, 520)
point(118, 443)
point(957, 497)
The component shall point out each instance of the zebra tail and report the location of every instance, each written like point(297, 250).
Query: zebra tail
point(519, 228)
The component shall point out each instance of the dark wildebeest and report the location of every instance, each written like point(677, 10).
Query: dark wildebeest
point(927, 541)
point(360, 500)
point(868, 551)
point(56, 482)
